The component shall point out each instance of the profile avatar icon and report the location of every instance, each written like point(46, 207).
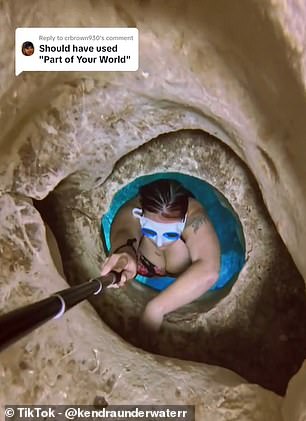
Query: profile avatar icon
point(27, 48)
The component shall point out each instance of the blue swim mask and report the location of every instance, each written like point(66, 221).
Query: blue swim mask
point(159, 232)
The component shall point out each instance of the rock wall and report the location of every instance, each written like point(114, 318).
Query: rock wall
point(255, 330)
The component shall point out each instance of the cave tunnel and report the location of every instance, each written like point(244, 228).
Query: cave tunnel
point(218, 102)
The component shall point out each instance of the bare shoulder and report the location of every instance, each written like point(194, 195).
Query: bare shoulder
point(124, 221)
point(196, 215)
point(124, 216)
point(200, 235)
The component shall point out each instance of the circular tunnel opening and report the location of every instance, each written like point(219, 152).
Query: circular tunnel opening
point(251, 324)
point(223, 217)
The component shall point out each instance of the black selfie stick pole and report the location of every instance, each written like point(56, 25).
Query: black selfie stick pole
point(18, 323)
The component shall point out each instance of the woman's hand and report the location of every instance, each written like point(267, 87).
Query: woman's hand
point(120, 262)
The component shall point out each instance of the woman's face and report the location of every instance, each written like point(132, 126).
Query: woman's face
point(28, 51)
point(161, 230)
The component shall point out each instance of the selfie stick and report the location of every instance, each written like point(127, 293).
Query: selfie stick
point(18, 323)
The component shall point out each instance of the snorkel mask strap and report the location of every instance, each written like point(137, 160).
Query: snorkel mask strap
point(183, 223)
point(137, 213)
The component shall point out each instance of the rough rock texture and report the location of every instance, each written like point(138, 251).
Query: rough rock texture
point(294, 406)
point(256, 330)
point(229, 76)
point(234, 69)
point(77, 358)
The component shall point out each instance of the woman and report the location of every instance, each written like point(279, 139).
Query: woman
point(27, 48)
point(165, 231)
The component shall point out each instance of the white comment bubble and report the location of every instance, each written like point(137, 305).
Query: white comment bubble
point(76, 49)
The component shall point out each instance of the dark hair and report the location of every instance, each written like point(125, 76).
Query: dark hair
point(27, 44)
point(165, 197)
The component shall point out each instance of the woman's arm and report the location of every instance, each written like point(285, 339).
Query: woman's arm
point(125, 238)
point(125, 228)
point(204, 250)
